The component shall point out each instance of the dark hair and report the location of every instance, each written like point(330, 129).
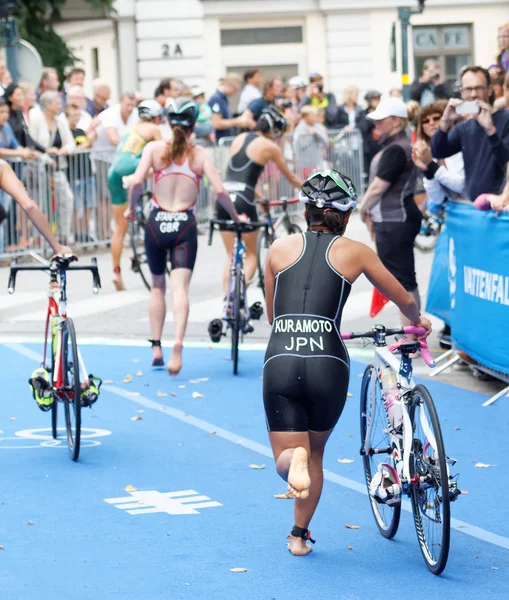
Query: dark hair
point(180, 144)
point(434, 108)
point(332, 219)
point(3, 101)
point(9, 91)
point(249, 74)
point(74, 71)
point(164, 84)
point(476, 69)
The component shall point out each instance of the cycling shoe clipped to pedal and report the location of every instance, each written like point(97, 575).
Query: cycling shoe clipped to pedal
point(91, 394)
point(385, 487)
point(256, 311)
point(40, 386)
point(215, 330)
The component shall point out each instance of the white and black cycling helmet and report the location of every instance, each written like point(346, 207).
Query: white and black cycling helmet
point(150, 109)
point(182, 111)
point(329, 189)
point(271, 120)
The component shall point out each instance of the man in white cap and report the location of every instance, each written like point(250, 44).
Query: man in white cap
point(388, 205)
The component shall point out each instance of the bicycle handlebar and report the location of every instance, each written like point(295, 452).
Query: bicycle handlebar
point(280, 202)
point(56, 264)
point(410, 330)
point(239, 228)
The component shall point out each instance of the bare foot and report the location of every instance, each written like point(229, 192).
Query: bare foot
point(118, 283)
point(298, 475)
point(175, 362)
point(298, 546)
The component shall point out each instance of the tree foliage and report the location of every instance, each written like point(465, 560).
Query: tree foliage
point(36, 21)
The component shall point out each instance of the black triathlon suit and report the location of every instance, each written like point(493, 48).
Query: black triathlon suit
point(307, 367)
point(241, 178)
point(170, 236)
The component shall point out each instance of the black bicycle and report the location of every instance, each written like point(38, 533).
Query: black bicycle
point(137, 232)
point(237, 312)
point(272, 229)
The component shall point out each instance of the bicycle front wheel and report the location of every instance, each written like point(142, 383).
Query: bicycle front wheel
point(376, 449)
point(71, 389)
point(263, 244)
point(235, 324)
point(430, 495)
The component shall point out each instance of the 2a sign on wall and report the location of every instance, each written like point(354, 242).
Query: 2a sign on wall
point(171, 51)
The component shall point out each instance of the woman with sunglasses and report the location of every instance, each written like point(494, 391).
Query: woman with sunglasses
point(442, 179)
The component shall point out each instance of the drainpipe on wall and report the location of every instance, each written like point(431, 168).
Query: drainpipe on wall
point(404, 13)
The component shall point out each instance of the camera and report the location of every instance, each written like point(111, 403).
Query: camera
point(319, 87)
point(283, 103)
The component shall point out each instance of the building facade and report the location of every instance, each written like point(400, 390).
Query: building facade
point(348, 41)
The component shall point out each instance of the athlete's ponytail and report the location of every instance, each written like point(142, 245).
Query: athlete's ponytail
point(334, 220)
point(180, 145)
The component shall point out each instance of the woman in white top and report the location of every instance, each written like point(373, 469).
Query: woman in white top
point(171, 232)
point(50, 129)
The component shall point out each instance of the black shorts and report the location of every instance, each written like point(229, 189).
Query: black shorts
point(242, 206)
point(301, 394)
point(395, 247)
point(171, 236)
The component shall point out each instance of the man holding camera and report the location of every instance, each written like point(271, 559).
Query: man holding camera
point(483, 136)
point(321, 100)
point(430, 86)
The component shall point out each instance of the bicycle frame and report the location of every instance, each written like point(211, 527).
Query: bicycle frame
point(238, 253)
point(57, 309)
point(385, 359)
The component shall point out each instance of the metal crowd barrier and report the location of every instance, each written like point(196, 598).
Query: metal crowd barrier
point(73, 192)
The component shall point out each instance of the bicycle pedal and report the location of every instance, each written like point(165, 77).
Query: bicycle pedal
point(450, 461)
point(248, 329)
point(256, 311)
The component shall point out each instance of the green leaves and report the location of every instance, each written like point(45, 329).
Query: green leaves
point(36, 19)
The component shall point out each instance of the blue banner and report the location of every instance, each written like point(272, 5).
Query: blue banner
point(477, 294)
point(439, 300)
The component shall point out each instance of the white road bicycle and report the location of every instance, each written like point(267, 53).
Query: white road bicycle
point(414, 449)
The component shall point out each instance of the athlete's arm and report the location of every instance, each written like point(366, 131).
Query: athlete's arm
point(136, 183)
point(269, 287)
point(276, 155)
point(220, 123)
point(13, 186)
point(112, 135)
point(376, 188)
point(390, 287)
point(217, 185)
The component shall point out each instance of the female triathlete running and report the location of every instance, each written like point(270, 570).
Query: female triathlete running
point(306, 370)
point(127, 158)
point(171, 231)
point(249, 154)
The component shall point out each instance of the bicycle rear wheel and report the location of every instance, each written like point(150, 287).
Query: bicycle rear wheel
point(71, 389)
point(430, 496)
point(374, 429)
point(263, 244)
point(235, 322)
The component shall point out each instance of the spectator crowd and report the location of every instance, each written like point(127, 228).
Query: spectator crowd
point(64, 141)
